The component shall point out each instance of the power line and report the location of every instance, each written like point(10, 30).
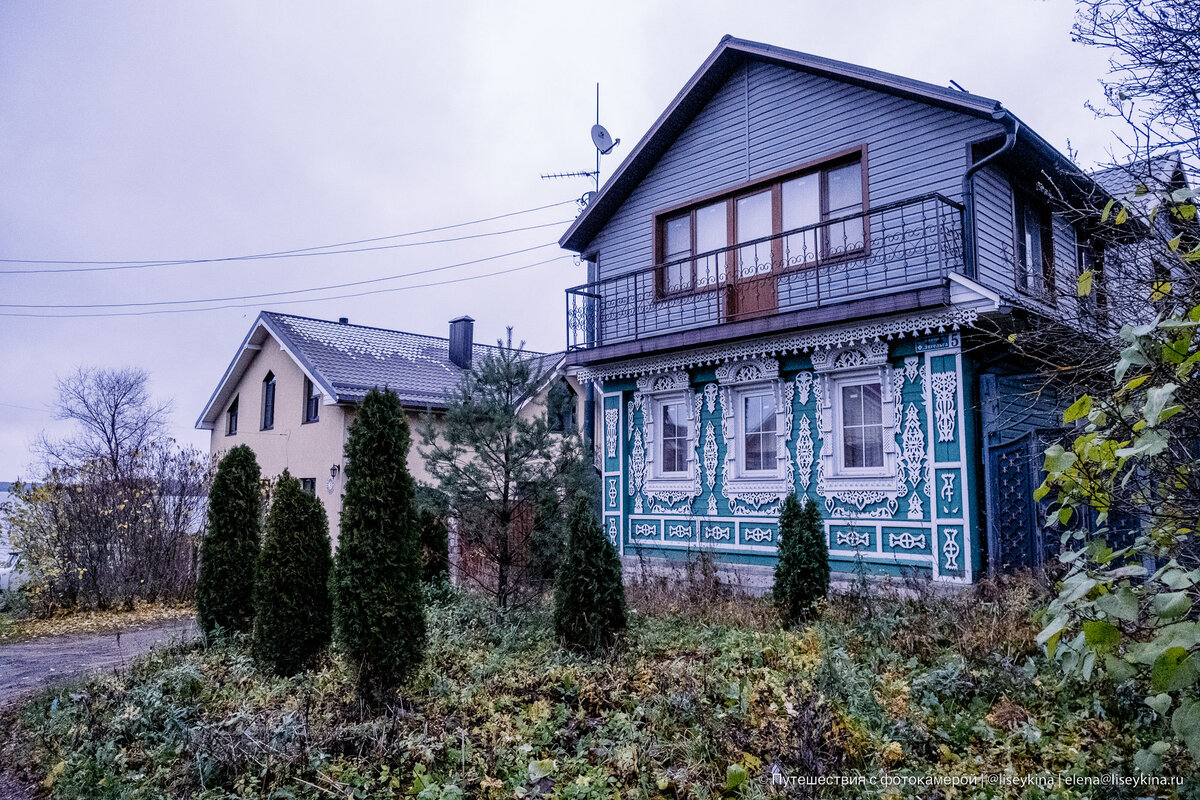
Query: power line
point(262, 256)
point(290, 302)
point(280, 293)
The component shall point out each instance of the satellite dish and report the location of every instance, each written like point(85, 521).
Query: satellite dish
point(603, 139)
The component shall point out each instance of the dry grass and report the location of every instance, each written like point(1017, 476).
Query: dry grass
point(66, 622)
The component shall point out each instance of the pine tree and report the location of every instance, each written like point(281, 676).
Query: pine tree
point(378, 613)
point(291, 593)
point(589, 600)
point(229, 554)
point(802, 572)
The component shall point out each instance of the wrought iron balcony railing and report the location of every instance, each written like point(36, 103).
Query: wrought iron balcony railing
point(883, 250)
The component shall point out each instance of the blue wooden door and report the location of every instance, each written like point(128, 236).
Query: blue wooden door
point(1014, 535)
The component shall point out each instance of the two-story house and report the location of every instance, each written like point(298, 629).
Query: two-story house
point(788, 278)
point(294, 385)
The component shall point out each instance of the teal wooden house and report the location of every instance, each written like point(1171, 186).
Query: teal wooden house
point(787, 277)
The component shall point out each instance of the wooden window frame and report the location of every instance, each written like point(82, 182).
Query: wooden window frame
point(774, 183)
point(312, 410)
point(270, 388)
point(1047, 292)
point(231, 417)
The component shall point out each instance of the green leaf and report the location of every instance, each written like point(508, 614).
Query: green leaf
point(1119, 670)
point(1084, 286)
point(735, 776)
point(1174, 243)
point(1147, 762)
point(1186, 724)
point(1172, 604)
point(1174, 670)
point(1078, 410)
point(1101, 634)
point(1058, 459)
point(1177, 579)
point(1108, 207)
point(543, 768)
point(1150, 443)
point(1055, 627)
point(1122, 215)
point(1156, 400)
point(1121, 604)
point(1159, 702)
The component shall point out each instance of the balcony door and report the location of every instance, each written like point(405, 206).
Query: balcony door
point(754, 290)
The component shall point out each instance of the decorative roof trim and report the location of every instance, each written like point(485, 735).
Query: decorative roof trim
point(882, 330)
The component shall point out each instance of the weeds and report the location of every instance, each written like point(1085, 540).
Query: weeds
point(698, 701)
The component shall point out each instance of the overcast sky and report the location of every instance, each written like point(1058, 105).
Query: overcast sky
point(152, 130)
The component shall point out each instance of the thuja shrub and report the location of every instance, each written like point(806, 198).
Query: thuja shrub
point(295, 614)
point(802, 571)
point(378, 614)
point(229, 555)
point(589, 599)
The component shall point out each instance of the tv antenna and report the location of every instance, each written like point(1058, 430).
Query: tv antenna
point(604, 144)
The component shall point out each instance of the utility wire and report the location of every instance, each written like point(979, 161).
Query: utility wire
point(289, 302)
point(280, 293)
point(260, 256)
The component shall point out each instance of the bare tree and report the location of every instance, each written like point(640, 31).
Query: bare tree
point(1154, 68)
point(115, 416)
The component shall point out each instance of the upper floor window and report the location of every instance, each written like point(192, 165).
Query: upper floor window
point(308, 485)
point(268, 402)
point(231, 418)
point(312, 402)
point(1035, 246)
point(1090, 259)
point(739, 235)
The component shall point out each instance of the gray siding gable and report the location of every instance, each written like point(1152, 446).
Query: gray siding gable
point(766, 118)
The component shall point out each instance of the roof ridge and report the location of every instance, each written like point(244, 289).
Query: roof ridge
point(391, 330)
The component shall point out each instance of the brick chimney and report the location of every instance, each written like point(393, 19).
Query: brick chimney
point(462, 335)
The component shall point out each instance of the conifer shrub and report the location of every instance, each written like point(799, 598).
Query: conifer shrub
point(802, 571)
point(378, 615)
point(432, 513)
point(589, 599)
point(229, 553)
point(291, 592)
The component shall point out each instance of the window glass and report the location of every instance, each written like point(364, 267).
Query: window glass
point(759, 432)
point(678, 276)
point(862, 426)
point(312, 402)
point(675, 442)
point(801, 209)
point(231, 418)
point(754, 222)
point(712, 233)
point(845, 199)
point(268, 413)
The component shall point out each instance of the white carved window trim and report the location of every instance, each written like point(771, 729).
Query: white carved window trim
point(655, 440)
point(738, 380)
point(850, 366)
point(840, 383)
point(656, 392)
point(739, 396)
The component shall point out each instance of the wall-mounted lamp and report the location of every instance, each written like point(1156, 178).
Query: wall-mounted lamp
point(334, 470)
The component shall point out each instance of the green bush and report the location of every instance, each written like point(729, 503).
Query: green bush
point(229, 554)
point(378, 615)
point(589, 599)
point(291, 593)
point(432, 510)
point(802, 572)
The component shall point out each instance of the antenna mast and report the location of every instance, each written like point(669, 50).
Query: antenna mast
point(604, 144)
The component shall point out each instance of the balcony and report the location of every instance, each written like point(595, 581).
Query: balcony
point(756, 286)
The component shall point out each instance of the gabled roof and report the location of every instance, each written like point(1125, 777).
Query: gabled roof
point(346, 361)
point(1157, 172)
point(724, 60)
